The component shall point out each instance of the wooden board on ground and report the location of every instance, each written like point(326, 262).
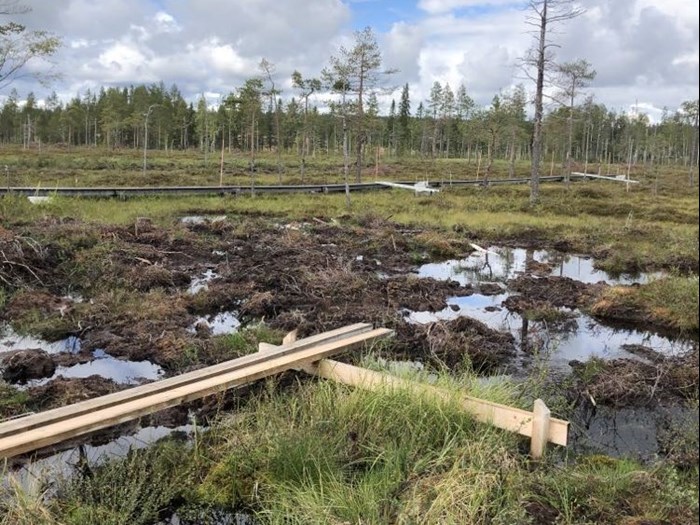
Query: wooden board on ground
point(546, 429)
point(619, 178)
point(267, 363)
point(42, 418)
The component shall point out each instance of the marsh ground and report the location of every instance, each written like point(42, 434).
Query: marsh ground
point(180, 283)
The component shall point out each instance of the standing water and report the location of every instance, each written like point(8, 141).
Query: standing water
point(580, 338)
point(631, 431)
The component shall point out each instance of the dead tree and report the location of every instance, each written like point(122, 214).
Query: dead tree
point(543, 14)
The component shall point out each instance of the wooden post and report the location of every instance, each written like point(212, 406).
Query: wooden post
point(376, 162)
point(540, 429)
point(290, 338)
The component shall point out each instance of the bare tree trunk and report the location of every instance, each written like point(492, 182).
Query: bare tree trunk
point(360, 139)
point(539, 109)
point(511, 164)
point(304, 140)
point(346, 162)
point(491, 151)
point(695, 152)
point(567, 177)
point(252, 158)
point(221, 168)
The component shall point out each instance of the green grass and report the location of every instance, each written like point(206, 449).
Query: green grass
point(329, 454)
point(13, 402)
point(140, 486)
point(624, 241)
point(319, 452)
point(671, 302)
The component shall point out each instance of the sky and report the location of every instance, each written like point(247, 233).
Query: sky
point(645, 52)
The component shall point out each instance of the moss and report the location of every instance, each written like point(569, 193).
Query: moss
point(13, 402)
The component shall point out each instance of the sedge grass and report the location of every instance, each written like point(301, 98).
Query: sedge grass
point(319, 452)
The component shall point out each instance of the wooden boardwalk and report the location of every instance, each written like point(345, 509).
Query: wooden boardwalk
point(125, 192)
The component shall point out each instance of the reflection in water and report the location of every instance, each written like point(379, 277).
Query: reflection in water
point(219, 324)
point(109, 367)
point(579, 340)
point(637, 432)
point(10, 340)
point(503, 264)
point(63, 463)
point(617, 432)
point(202, 282)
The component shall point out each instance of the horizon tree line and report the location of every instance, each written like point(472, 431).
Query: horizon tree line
point(255, 116)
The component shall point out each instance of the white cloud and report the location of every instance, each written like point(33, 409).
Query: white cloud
point(445, 6)
point(643, 50)
point(223, 58)
point(166, 23)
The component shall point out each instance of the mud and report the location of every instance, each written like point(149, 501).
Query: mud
point(22, 366)
point(313, 275)
point(462, 342)
point(62, 391)
point(632, 382)
point(559, 292)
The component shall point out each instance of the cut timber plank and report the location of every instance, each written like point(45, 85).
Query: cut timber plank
point(480, 249)
point(420, 187)
point(540, 429)
point(133, 409)
point(59, 414)
point(621, 178)
point(501, 416)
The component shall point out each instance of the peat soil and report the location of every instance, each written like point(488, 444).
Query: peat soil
point(150, 296)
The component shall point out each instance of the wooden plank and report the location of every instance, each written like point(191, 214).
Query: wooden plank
point(420, 187)
point(501, 416)
point(482, 250)
point(621, 178)
point(59, 414)
point(540, 429)
point(88, 422)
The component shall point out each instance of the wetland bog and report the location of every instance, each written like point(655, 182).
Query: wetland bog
point(588, 300)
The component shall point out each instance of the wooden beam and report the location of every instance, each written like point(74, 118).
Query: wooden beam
point(501, 416)
point(540, 429)
point(85, 423)
point(58, 414)
point(621, 178)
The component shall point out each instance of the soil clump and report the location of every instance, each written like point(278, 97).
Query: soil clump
point(22, 366)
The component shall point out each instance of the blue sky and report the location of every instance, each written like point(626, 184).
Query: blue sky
point(382, 14)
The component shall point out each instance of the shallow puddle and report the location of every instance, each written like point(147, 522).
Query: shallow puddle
point(62, 464)
point(202, 282)
point(501, 264)
point(10, 340)
point(640, 433)
point(201, 219)
point(578, 338)
point(624, 432)
point(219, 324)
point(104, 365)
